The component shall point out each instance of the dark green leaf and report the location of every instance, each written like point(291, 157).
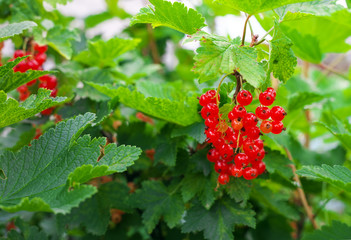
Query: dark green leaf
point(337, 231)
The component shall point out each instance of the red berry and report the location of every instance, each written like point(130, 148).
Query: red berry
point(213, 135)
point(249, 173)
point(261, 154)
point(21, 67)
point(263, 113)
point(18, 53)
point(33, 64)
point(43, 85)
point(260, 167)
point(51, 82)
point(24, 95)
point(226, 151)
point(211, 122)
point(40, 58)
point(235, 171)
point(223, 178)
point(237, 124)
point(241, 160)
point(277, 127)
point(266, 127)
point(22, 89)
point(47, 111)
point(259, 143)
point(40, 48)
point(266, 98)
point(221, 167)
point(277, 113)
point(219, 142)
point(31, 82)
point(272, 91)
point(250, 120)
point(44, 78)
point(252, 151)
point(244, 98)
point(253, 132)
point(53, 93)
point(213, 155)
point(209, 109)
point(238, 111)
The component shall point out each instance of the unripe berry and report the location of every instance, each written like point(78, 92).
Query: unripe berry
point(266, 127)
point(237, 124)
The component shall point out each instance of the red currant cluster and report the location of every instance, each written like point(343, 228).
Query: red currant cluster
point(238, 151)
point(35, 61)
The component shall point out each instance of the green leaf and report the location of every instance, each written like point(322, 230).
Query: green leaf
point(103, 53)
point(337, 231)
point(54, 2)
point(10, 80)
point(302, 99)
point(276, 162)
point(15, 29)
point(219, 55)
point(12, 111)
point(166, 153)
point(337, 175)
point(26, 232)
point(282, 60)
point(94, 213)
point(173, 15)
point(256, 6)
point(182, 111)
point(200, 186)
point(195, 131)
point(239, 189)
point(37, 175)
point(218, 222)
point(158, 201)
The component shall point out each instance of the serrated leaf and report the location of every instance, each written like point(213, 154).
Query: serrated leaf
point(256, 6)
point(173, 15)
point(276, 162)
point(219, 55)
point(158, 201)
point(195, 130)
point(103, 53)
point(198, 185)
point(239, 189)
point(12, 111)
point(94, 213)
point(10, 80)
point(337, 175)
point(182, 112)
point(302, 99)
point(337, 231)
point(15, 29)
point(218, 222)
point(55, 2)
point(37, 175)
point(282, 60)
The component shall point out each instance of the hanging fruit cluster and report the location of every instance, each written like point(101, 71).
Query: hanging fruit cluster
point(34, 61)
point(238, 150)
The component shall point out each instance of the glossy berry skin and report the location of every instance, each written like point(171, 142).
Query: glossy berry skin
point(226, 150)
point(260, 167)
point(253, 133)
point(218, 143)
point(250, 120)
point(223, 178)
point(211, 122)
point(221, 167)
point(53, 93)
point(263, 112)
point(266, 127)
point(238, 111)
point(252, 151)
point(213, 135)
point(47, 111)
point(277, 113)
point(241, 160)
point(250, 173)
point(40, 48)
point(277, 127)
point(266, 98)
point(259, 143)
point(22, 89)
point(244, 97)
point(237, 124)
point(18, 53)
point(235, 171)
point(213, 155)
point(40, 58)
point(272, 91)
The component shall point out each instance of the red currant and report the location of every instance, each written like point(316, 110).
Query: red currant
point(253, 132)
point(213, 135)
point(266, 127)
point(241, 160)
point(226, 150)
point(244, 97)
point(272, 91)
point(30, 83)
point(266, 98)
point(250, 120)
point(235, 171)
point(263, 113)
point(260, 167)
point(53, 93)
point(18, 53)
point(47, 111)
point(223, 178)
point(277, 127)
point(237, 124)
point(40, 48)
point(213, 155)
point(218, 143)
point(211, 122)
point(238, 111)
point(22, 89)
point(249, 173)
point(40, 58)
point(259, 143)
point(277, 113)
point(221, 167)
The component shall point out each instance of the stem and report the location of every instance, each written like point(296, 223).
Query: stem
point(219, 87)
point(244, 33)
point(263, 38)
point(305, 71)
point(238, 84)
point(153, 46)
point(332, 70)
point(300, 192)
point(251, 30)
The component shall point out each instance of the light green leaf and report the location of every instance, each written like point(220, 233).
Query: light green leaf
point(337, 231)
point(103, 53)
point(182, 111)
point(37, 175)
point(173, 15)
point(54, 2)
point(15, 29)
point(10, 80)
point(302, 99)
point(158, 201)
point(218, 222)
point(282, 60)
point(337, 175)
point(219, 55)
point(12, 111)
point(256, 6)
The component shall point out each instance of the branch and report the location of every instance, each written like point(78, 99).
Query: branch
point(239, 82)
point(244, 33)
point(301, 193)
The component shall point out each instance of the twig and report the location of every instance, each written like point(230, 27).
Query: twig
point(300, 192)
point(153, 47)
point(305, 71)
point(244, 33)
point(264, 37)
point(239, 82)
point(330, 69)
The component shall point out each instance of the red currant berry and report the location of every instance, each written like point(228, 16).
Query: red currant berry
point(30, 83)
point(52, 82)
point(241, 160)
point(24, 95)
point(235, 171)
point(33, 64)
point(219, 142)
point(277, 127)
point(272, 91)
point(252, 151)
point(40, 48)
point(266, 127)
point(250, 120)
point(238, 111)
point(204, 100)
point(244, 98)
point(53, 93)
point(237, 124)
point(266, 98)
point(259, 143)
point(40, 58)
point(213, 135)
point(260, 167)
point(233, 141)
point(277, 113)
point(47, 111)
point(263, 113)
point(18, 53)
point(211, 122)
point(221, 167)
point(249, 173)
point(223, 178)
point(209, 109)
point(253, 132)
point(22, 89)
point(213, 155)
point(226, 151)
point(261, 154)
